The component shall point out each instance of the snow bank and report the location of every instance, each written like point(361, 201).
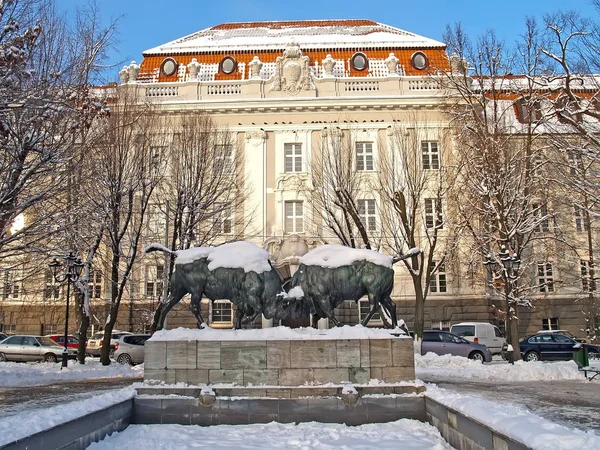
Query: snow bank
point(405, 433)
point(447, 366)
point(295, 293)
point(273, 334)
point(516, 422)
point(333, 256)
point(236, 255)
point(19, 374)
point(33, 421)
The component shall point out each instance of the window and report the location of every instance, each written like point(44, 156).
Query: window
point(52, 288)
point(154, 281)
point(433, 213)
point(294, 218)
point(95, 284)
point(529, 110)
point(464, 330)
point(8, 328)
point(228, 65)
point(293, 157)
point(575, 162)
point(223, 159)
point(550, 324)
point(222, 312)
point(585, 275)
point(561, 339)
point(430, 336)
point(438, 279)
point(157, 153)
point(156, 222)
point(541, 220)
point(443, 325)
point(364, 156)
point(366, 212)
point(581, 222)
point(359, 61)
point(566, 110)
point(51, 328)
point(223, 219)
point(431, 155)
point(11, 281)
point(419, 60)
point(545, 277)
point(363, 311)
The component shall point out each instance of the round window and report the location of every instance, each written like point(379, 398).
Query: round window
point(228, 64)
point(168, 67)
point(419, 60)
point(360, 61)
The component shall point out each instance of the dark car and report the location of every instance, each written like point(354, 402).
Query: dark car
point(552, 347)
point(444, 343)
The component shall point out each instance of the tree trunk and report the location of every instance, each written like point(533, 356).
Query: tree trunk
point(419, 323)
point(514, 333)
point(84, 324)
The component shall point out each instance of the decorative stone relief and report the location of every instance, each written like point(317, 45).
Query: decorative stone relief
point(256, 138)
point(194, 69)
point(255, 66)
point(124, 75)
point(392, 64)
point(328, 64)
point(334, 132)
point(133, 71)
point(292, 74)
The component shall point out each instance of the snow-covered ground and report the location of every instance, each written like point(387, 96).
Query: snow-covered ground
point(401, 434)
point(19, 374)
point(456, 367)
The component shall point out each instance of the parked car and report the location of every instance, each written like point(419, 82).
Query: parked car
point(94, 344)
point(32, 348)
point(3, 336)
point(565, 332)
point(130, 348)
point(481, 333)
point(552, 347)
point(444, 343)
point(72, 341)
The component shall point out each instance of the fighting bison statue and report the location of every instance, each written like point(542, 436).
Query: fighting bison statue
point(330, 274)
point(238, 271)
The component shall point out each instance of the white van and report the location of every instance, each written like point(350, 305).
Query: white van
point(482, 333)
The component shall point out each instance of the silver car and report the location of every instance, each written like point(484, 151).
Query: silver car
point(32, 348)
point(444, 343)
point(94, 344)
point(130, 349)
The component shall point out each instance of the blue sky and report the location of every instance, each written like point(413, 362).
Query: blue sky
point(147, 23)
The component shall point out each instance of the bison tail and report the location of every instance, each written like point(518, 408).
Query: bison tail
point(158, 247)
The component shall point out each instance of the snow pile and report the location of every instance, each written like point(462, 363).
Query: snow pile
point(333, 256)
point(18, 374)
point(516, 422)
point(236, 255)
point(452, 367)
point(295, 293)
point(273, 334)
point(33, 421)
point(405, 433)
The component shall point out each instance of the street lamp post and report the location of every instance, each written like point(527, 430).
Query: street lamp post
point(72, 270)
point(510, 270)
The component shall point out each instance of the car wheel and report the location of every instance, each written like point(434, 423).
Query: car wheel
point(532, 356)
point(124, 358)
point(2, 357)
point(50, 357)
point(477, 356)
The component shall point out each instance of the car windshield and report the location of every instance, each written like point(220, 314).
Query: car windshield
point(463, 330)
point(47, 341)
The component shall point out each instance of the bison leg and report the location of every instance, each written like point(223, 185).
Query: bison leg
point(373, 306)
point(390, 308)
point(195, 307)
point(174, 298)
point(252, 318)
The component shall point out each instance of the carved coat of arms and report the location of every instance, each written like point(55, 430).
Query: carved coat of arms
point(292, 73)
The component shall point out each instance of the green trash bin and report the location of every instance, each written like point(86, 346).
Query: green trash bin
point(581, 356)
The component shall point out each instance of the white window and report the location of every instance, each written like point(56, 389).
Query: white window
point(545, 277)
point(11, 284)
point(293, 157)
point(430, 155)
point(575, 162)
point(585, 274)
point(438, 279)
point(529, 110)
point(294, 217)
point(364, 156)
point(363, 311)
point(95, 284)
point(154, 281)
point(366, 212)
point(52, 288)
point(223, 159)
point(540, 214)
point(550, 324)
point(433, 213)
point(443, 325)
point(223, 219)
point(581, 222)
point(156, 221)
point(222, 312)
point(50, 328)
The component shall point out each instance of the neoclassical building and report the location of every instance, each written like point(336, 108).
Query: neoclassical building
point(279, 87)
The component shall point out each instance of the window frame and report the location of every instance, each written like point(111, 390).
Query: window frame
point(156, 280)
point(434, 217)
point(294, 218)
point(540, 211)
point(363, 150)
point(545, 277)
point(581, 223)
point(296, 157)
point(368, 219)
point(430, 157)
point(547, 324)
point(438, 283)
point(363, 310)
point(212, 312)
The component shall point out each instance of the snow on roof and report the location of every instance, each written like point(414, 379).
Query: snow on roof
point(236, 255)
point(333, 256)
point(305, 33)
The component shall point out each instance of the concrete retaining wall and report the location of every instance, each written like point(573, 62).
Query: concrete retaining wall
point(79, 433)
point(465, 433)
point(280, 363)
